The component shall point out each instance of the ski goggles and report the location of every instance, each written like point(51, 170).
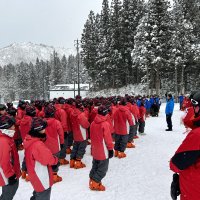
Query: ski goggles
point(194, 102)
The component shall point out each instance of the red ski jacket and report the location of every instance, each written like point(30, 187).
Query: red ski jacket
point(55, 135)
point(39, 160)
point(122, 120)
point(101, 140)
point(20, 113)
point(93, 114)
point(188, 119)
point(68, 109)
point(142, 110)
point(111, 122)
point(25, 126)
point(17, 131)
point(186, 162)
point(79, 125)
point(135, 111)
point(9, 158)
point(61, 115)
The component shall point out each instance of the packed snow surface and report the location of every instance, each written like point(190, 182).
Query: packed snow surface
point(143, 175)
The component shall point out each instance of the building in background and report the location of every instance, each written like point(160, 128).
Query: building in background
point(68, 90)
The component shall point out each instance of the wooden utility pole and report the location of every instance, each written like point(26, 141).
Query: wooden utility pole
point(77, 44)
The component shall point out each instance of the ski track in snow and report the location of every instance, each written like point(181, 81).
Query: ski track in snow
point(143, 175)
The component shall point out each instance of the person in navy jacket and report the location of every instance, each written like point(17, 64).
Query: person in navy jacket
point(169, 111)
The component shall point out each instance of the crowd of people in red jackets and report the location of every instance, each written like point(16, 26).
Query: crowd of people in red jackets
point(47, 131)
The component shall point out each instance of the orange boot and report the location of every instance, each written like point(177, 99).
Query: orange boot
point(63, 161)
point(116, 153)
point(56, 178)
point(96, 186)
point(72, 161)
point(130, 145)
point(78, 164)
point(121, 155)
point(23, 174)
point(68, 151)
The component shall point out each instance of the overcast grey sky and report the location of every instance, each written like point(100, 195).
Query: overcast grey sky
point(51, 22)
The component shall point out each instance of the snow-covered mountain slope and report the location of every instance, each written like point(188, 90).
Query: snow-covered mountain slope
point(29, 52)
point(143, 175)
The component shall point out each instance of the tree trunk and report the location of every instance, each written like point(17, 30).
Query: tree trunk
point(157, 83)
point(148, 82)
point(182, 80)
point(176, 84)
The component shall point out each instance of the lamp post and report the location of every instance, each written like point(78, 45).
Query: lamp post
point(76, 43)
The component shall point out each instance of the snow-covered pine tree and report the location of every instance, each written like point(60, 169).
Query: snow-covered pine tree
point(154, 35)
point(182, 54)
point(103, 55)
point(141, 53)
point(57, 69)
point(23, 77)
point(65, 70)
point(89, 44)
point(116, 70)
point(191, 12)
point(133, 11)
point(33, 82)
point(72, 69)
point(8, 82)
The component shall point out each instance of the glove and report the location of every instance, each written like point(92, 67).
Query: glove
point(110, 153)
point(12, 180)
point(175, 188)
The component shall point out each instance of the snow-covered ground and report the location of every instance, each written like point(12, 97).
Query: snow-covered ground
point(143, 175)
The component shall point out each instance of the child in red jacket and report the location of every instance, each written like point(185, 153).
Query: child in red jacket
point(102, 148)
point(122, 123)
point(80, 125)
point(142, 119)
point(25, 126)
point(55, 137)
point(9, 159)
point(39, 160)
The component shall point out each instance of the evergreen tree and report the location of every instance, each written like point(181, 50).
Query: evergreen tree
point(89, 44)
point(116, 69)
point(133, 11)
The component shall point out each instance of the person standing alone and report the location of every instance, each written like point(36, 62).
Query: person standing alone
point(169, 111)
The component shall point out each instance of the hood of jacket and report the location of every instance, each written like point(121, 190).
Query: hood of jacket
point(100, 118)
point(76, 112)
point(123, 108)
point(28, 141)
point(26, 120)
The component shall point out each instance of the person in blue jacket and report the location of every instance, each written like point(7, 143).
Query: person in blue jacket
point(169, 111)
point(181, 98)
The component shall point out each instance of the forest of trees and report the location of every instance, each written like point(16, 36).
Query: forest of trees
point(149, 42)
point(32, 81)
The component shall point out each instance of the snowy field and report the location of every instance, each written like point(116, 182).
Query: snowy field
point(143, 175)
